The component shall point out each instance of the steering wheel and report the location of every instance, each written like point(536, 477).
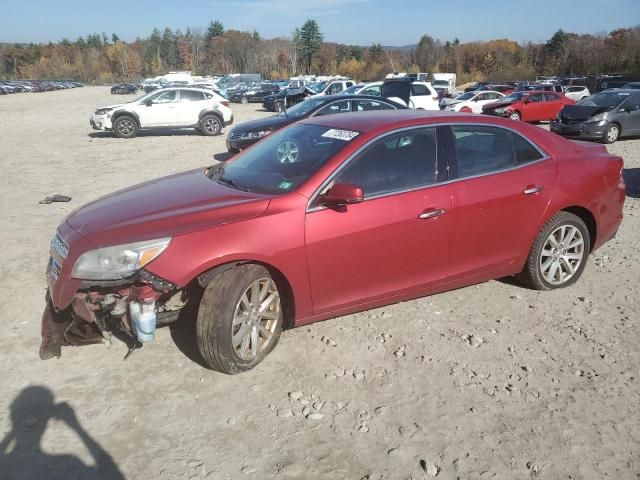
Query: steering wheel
point(288, 152)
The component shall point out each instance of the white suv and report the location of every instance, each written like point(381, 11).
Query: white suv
point(423, 95)
point(170, 107)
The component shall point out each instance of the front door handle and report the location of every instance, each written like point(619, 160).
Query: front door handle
point(431, 213)
point(533, 189)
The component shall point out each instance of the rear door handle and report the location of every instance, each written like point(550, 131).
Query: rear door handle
point(431, 213)
point(533, 189)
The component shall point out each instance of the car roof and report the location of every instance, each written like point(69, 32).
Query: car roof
point(389, 119)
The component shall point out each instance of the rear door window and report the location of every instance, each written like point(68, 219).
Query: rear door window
point(362, 105)
point(419, 90)
point(191, 96)
point(483, 149)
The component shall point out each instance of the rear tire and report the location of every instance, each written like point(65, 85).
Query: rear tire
point(244, 100)
point(210, 125)
point(240, 319)
point(125, 127)
point(559, 254)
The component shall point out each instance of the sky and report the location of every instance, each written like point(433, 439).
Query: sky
point(359, 22)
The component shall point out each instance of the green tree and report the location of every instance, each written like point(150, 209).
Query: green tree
point(115, 38)
point(214, 29)
point(309, 42)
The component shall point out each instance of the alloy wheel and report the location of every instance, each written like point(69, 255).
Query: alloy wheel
point(562, 254)
point(211, 125)
point(126, 127)
point(514, 116)
point(288, 152)
point(255, 319)
point(612, 133)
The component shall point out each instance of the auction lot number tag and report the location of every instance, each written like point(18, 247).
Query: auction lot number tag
point(338, 134)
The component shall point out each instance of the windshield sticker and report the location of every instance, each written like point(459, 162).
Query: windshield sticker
point(345, 135)
point(284, 185)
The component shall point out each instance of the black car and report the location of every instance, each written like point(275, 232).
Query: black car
point(286, 98)
point(124, 88)
point(248, 133)
point(254, 94)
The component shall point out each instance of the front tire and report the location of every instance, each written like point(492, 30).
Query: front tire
point(611, 134)
point(515, 116)
point(125, 127)
point(210, 125)
point(244, 100)
point(279, 107)
point(240, 319)
point(559, 254)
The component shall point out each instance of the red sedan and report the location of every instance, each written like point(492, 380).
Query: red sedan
point(332, 215)
point(531, 106)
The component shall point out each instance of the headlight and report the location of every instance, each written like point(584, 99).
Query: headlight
point(102, 111)
point(254, 135)
point(499, 111)
point(596, 118)
point(120, 261)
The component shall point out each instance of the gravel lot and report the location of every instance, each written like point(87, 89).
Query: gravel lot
point(490, 381)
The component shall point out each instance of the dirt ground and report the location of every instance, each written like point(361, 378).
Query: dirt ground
point(490, 381)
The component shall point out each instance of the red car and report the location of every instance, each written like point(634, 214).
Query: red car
point(529, 106)
point(332, 215)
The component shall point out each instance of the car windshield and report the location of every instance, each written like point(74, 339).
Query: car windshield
point(440, 82)
point(283, 160)
point(351, 90)
point(466, 96)
point(514, 97)
point(303, 108)
point(605, 99)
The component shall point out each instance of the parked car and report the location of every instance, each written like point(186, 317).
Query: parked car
point(124, 88)
point(255, 94)
point(472, 102)
point(502, 88)
point(544, 87)
point(476, 86)
point(247, 133)
point(329, 216)
point(605, 116)
point(171, 107)
point(414, 94)
point(354, 89)
point(576, 92)
point(335, 87)
point(286, 98)
point(498, 108)
point(537, 106)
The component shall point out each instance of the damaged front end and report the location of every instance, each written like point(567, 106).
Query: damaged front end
point(124, 300)
point(129, 312)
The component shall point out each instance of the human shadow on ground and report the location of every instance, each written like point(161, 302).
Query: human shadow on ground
point(632, 180)
point(21, 454)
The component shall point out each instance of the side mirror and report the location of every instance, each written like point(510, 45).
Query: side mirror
point(148, 103)
point(342, 194)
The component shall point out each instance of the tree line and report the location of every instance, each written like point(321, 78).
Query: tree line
point(102, 58)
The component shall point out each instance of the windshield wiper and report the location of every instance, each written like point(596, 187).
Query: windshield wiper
point(232, 183)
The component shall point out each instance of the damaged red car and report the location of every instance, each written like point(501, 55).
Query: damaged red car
point(326, 217)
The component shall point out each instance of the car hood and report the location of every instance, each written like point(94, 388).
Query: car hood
point(581, 112)
point(499, 104)
point(112, 107)
point(270, 123)
point(164, 207)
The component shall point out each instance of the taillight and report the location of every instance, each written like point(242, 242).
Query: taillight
point(621, 184)
point(226, 103)
point(435, 98)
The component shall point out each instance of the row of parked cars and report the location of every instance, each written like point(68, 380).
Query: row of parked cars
point(21, 86)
